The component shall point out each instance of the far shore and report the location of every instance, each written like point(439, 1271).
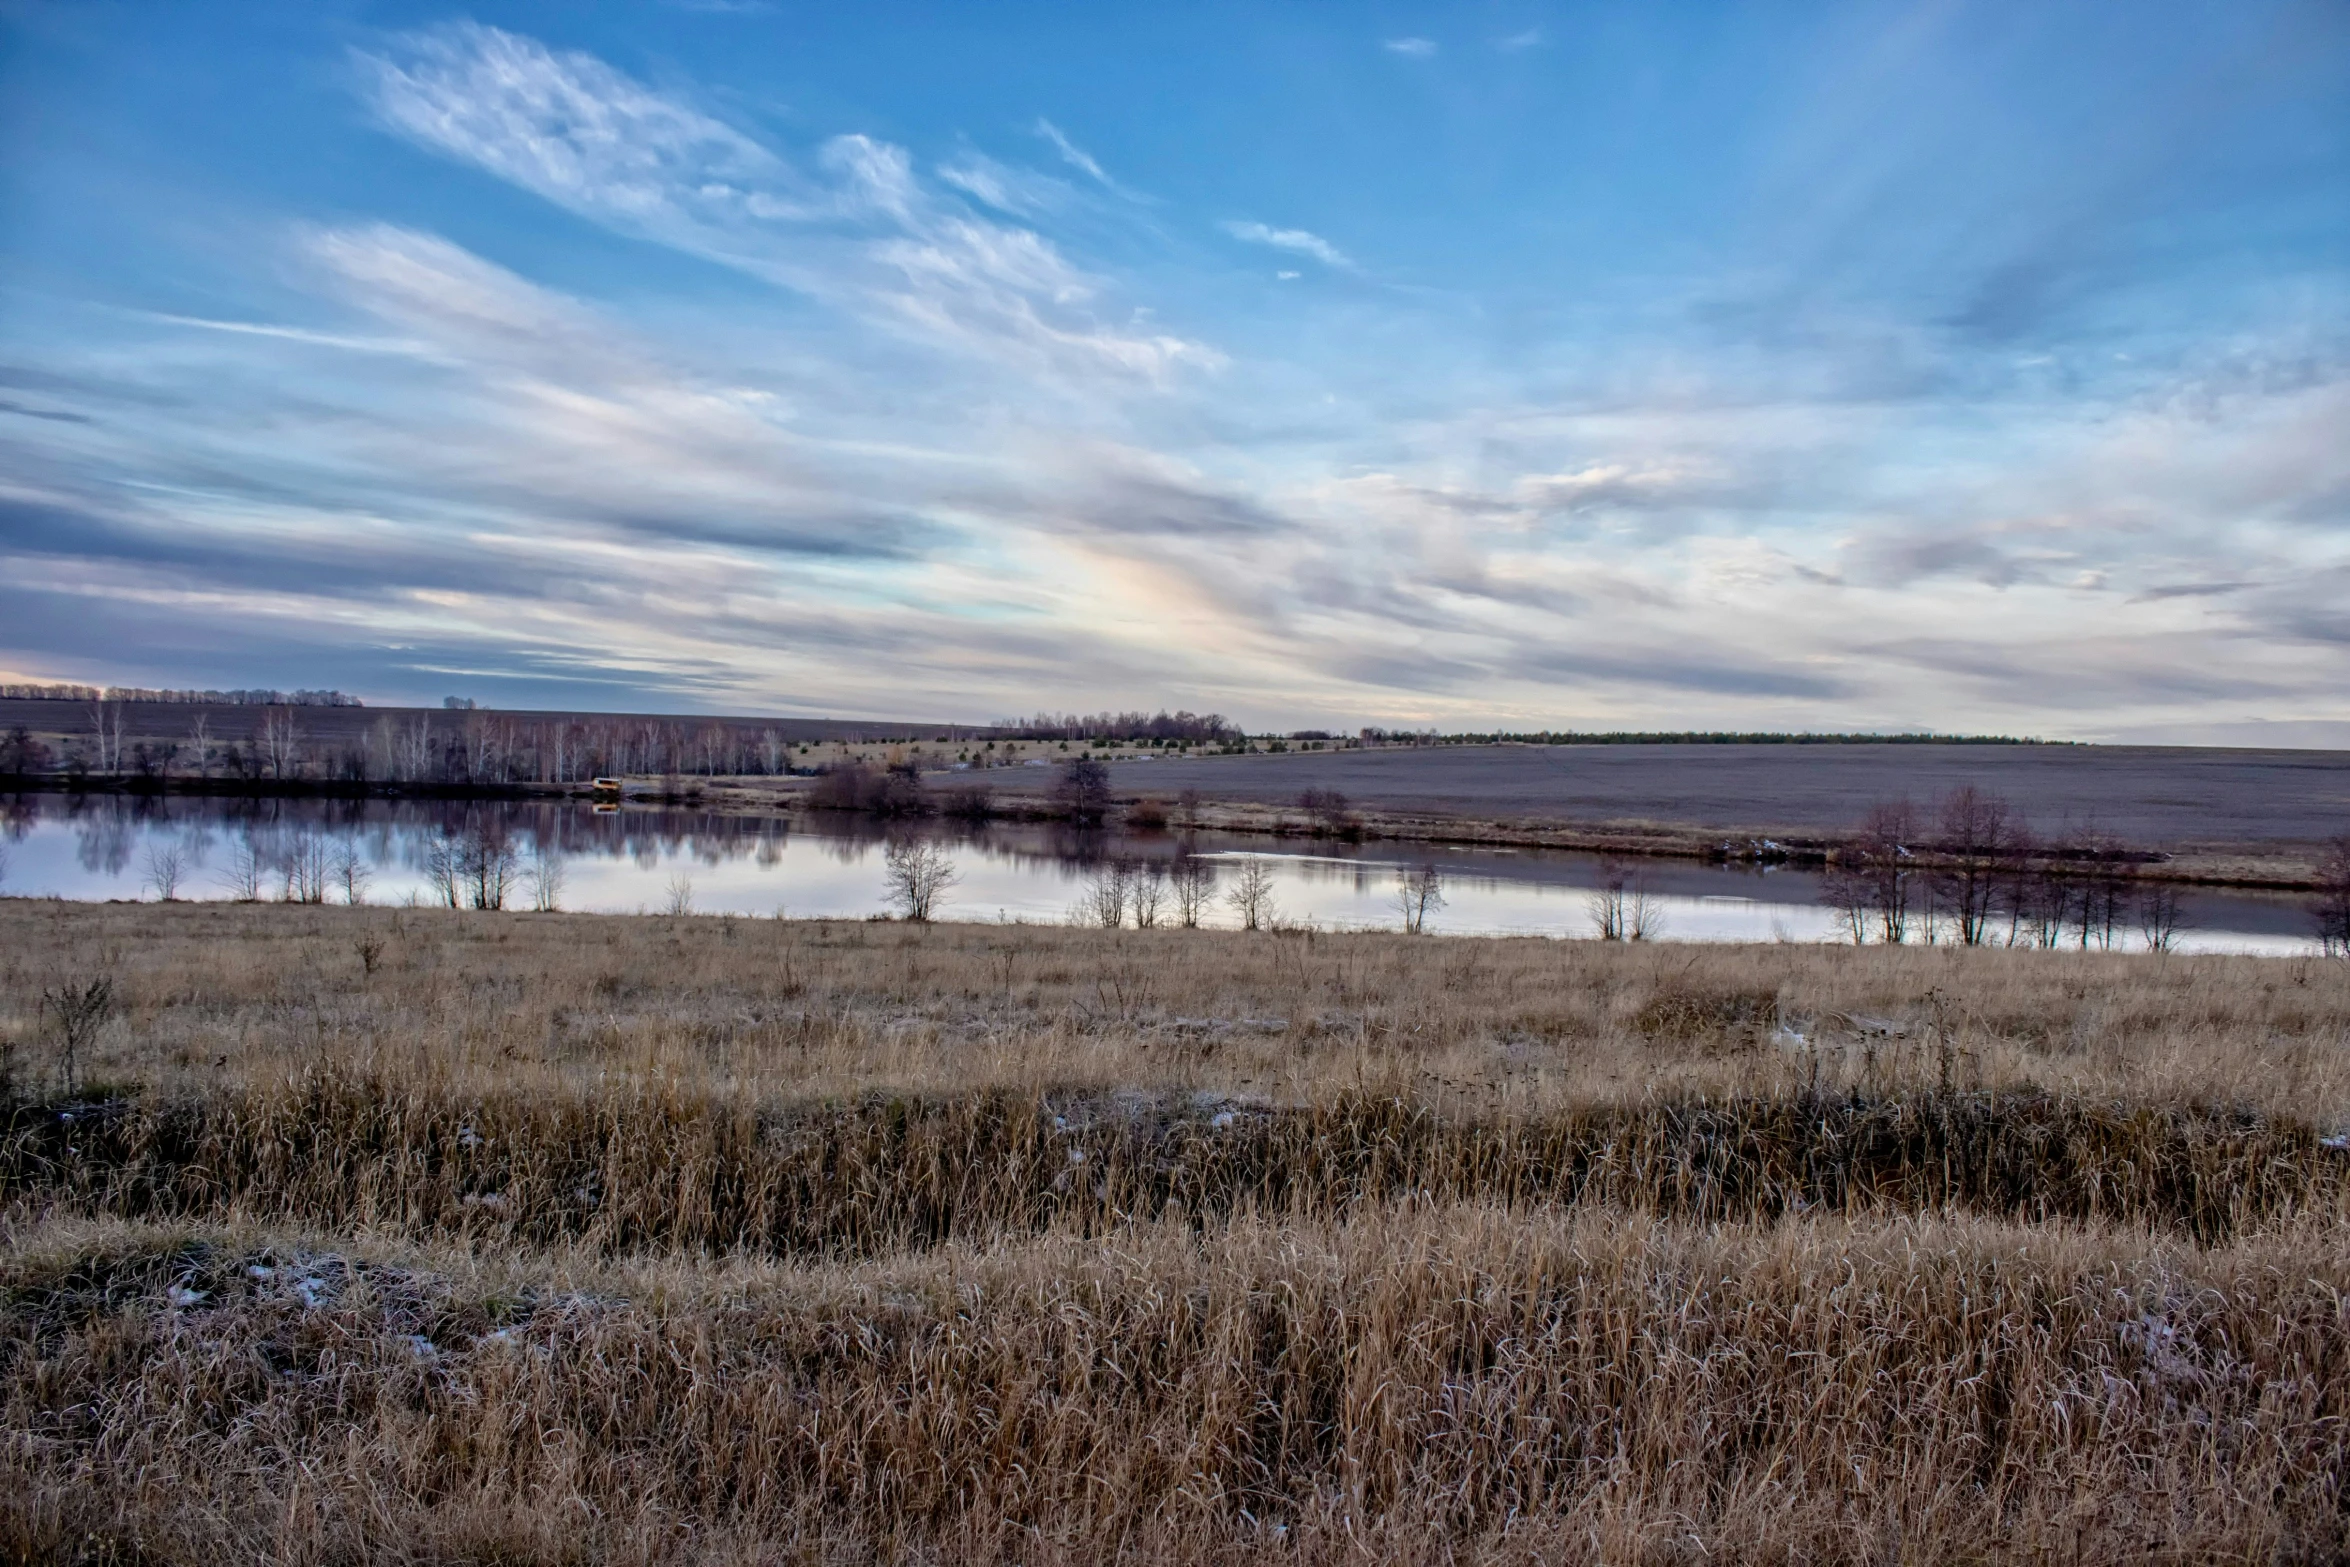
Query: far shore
point(2270, 865)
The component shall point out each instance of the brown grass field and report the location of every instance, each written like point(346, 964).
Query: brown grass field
point(373, 1235)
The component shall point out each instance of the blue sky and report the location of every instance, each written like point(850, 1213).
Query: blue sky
point(1832, 366)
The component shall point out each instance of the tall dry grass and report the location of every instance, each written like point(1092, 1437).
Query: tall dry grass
point(1438, 1383)
point(380, 1236)
point(219, 994)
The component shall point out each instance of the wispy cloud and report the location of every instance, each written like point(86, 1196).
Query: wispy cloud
point(1014, 191)
point(1075, 156)
point(860, 229)
point(1511, 43)
point(1410, 48)
point(1297, 241)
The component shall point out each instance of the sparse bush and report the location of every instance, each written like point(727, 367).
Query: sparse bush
point(351, 872)
point(969, 803)
point(1106, 892)
point(1330, 813)
point(2161, 914)
point(1419, 892)
point(22, 755)
point(1251, 896)
point(853, 786)
point(1147, 894)
point(167, 867)
point(1081, 792)
point(247, 867)
point(919, 874)
point(82, 1007)
point(1191, 882)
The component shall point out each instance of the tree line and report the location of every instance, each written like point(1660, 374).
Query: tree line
point(250, 698)
point(1969, 869)
point(455, 747)
point(1185, 725)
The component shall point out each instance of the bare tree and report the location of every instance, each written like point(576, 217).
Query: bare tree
point(1644, 912)
point(2333, 899)
point(1251, 896)
point(681, 895)
point(545, 877)
point(1975, 839)
point(306, 869)
point(247, 865)
point(1082, 791)
point(2162, 914)
point(351, 871)
point(1187, 806)
point(280, 741)
point(1419, 892)
point(200, 739)
point(489, 866)
point(167, 867)
point(1606, 902)
point(919, 874)
point(1192, 880)
point(443, 857)
point(1104, 899)
point(2041, 901)
point(1848, 888)
point(106, 726)
point(2100, 899)
point(1884, 859)
point(1148, 895)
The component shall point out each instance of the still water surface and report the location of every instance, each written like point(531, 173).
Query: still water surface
point(639, 859)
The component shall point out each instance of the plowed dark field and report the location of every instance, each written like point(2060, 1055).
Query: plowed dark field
point(2156, 795)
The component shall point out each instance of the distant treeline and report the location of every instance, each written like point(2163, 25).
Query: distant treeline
point(254, 698)
point(1120, 726)
point(1680, 737)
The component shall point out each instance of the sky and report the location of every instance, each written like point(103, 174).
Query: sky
point(1967, 367)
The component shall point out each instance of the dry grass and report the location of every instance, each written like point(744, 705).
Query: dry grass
point(225, 994)
point(478, 1237)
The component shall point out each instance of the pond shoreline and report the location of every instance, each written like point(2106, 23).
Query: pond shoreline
point(2249, 868)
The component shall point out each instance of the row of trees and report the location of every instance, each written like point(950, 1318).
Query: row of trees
point(1154, 727)
point(457, 747)
point(250, 698)
point(1971, 870)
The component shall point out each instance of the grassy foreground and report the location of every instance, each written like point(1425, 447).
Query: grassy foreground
point(374, 1235)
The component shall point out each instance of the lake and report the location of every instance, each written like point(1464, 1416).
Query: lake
point(644, 859)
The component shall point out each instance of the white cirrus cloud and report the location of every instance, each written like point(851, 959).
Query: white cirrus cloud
point(1297, 241)
point(1073, 155)
point(861, 230)
point(1410, 48)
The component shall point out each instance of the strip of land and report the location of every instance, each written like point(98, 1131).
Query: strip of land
point(2213, 815)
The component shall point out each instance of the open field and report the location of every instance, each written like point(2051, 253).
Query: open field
point(2165, 797)
point(378, 1234)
